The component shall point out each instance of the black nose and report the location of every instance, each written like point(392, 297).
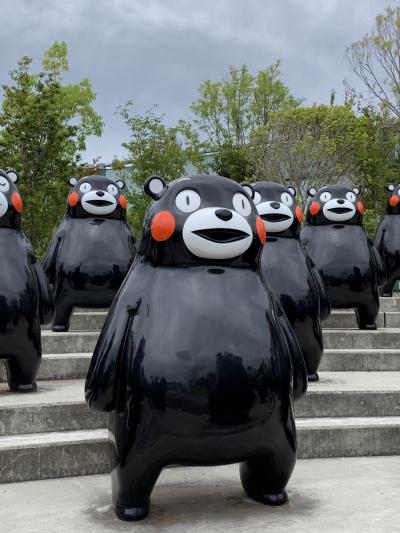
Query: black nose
point(100, 193)
point(275, 205)
point(223, 214)
point(340, 201)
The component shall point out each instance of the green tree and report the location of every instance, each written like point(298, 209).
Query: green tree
point(228, 112)
point(375, 59)
point(44, 124)
point(322, 145)
point(154, 148)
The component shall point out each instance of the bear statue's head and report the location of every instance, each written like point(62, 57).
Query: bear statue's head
point(276, 205)
point(10, 200)
point(201, 220)
point(393, 200)
point(96, 197)
point(334, 204)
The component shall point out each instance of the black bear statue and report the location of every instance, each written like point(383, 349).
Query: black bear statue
point(26, 300)
point(197, 359)
point(387, 239)
point(345, 256)
point(92, 250)
point(289, 270)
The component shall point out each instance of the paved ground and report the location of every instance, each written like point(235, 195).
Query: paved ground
point(326, 495)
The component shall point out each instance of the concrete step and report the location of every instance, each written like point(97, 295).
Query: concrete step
point(390, 304)
point(357, 359)
point(354, 338)
point(60, 405)
point(69, 342)
point(326, 495)
point(85, 320)
point(75, 365)
point(85, 341)
point(347, 319)
point(72, 453)
point(56, 406)
point(59, 366)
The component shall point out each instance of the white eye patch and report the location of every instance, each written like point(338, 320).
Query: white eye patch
point(188, 201)
point(4, 184)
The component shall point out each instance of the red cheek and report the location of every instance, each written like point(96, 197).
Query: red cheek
point(361, 208)
point(122, 201)
point(299, 215)
point(314, 208)
point(262, 234)
point(162, 226)
point(16, 201)
point(73, 199)
point(394, 200)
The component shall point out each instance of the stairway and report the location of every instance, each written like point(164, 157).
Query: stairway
point(354, 410)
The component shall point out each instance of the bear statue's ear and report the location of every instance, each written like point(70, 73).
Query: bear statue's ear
point(391, 187)
point(249, 189)
point(121, 184)
point(154, 186)
point(72, 181)
point(292, 191)
point(356, 190)
point(12, 175)
point(312, 191)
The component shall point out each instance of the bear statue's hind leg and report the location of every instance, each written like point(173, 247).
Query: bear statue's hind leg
point(366, 315)
point(264, 478)
point(62, 317)
point(22, 369)
point(132, 485)
point(387, 290)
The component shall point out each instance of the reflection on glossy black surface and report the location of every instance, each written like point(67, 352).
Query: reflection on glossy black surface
point(346, 258)
point(197, 359)
point(92, 250)
point(387, 239)
point(289, 270)
point(25, 296)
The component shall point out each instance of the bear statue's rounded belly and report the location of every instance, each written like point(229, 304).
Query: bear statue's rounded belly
point(221, 372)
point(89, 264)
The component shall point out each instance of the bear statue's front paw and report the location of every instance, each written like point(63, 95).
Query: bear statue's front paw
point(26, 387)
point(313, 377)
point(275, 499)
point(59, 328)
point(132, 514)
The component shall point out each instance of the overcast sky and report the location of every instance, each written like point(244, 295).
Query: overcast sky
point(159, 51)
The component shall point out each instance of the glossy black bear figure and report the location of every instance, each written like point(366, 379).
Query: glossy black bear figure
point(343, 253)
point(387, 239)
point(25, 296)
point(290, 272)
point(92, 250)
point(197, 359)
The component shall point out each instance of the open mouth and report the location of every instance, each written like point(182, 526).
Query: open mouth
point(99, 203)
point(224, 235)
point(275, 217)
point(340, 210)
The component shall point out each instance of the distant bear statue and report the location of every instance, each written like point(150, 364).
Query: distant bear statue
point(387, 239)
point(345, 256)
point(25, 296)
point(289, 270)
point(196, 359)
point(92, 250)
